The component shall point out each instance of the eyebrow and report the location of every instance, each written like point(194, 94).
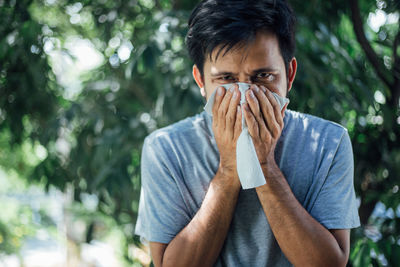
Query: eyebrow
point(222, 73)
point(267, 69)
point(260, 70)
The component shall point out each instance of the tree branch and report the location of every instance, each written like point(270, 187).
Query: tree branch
point(396, 56)
point(396, 71)
point(366, 46)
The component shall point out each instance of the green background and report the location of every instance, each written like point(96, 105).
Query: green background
point(75, 121)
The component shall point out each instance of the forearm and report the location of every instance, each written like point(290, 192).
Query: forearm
point(303, 240)
point(200, 242)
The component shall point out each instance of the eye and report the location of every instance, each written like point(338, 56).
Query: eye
point(265, 76)
point(227, 78)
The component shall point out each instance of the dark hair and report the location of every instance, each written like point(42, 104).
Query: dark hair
point(235, 22)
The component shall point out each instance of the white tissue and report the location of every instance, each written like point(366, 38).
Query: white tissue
point(248, 166)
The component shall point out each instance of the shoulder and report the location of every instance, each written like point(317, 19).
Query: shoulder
point(312, 126)
point(319, 138)
point(164, 148)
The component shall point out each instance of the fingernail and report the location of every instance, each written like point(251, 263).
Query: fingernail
point(251, 94)
point(220, 91)
point(232, 88)
point(263, 88)
point(235, 95)
point(255, 87)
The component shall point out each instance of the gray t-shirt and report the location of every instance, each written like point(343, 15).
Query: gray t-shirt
point(179, 161)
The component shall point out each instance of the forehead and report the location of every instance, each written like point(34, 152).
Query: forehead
point(262, 52)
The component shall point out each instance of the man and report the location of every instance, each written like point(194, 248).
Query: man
point(192, 208)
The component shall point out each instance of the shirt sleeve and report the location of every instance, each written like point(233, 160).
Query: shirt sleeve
point(162, 213)
point(336, 206)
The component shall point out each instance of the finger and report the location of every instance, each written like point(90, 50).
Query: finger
point(255, 109)
point(232, 110)
point(238, 123)
point(268, 113)
point(276, 107)
point(219, 95)
point(284, 109)
point(223, 108)
point(251, 122)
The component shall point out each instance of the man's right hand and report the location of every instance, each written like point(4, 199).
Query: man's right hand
point(227, 126)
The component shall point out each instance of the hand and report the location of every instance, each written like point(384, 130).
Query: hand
point(264, 120)
point(227, 126)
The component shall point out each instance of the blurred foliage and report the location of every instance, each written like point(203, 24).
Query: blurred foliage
point(11, 233)
point(20, 219)
point(88, 130)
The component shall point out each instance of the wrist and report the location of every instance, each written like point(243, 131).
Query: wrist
point(268, 161)
point(227, 171)
point(270, 168)
point(228, 176)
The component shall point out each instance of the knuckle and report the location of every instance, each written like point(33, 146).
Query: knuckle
point(215, 105)
point(226, 101)
point(230, 120)
point(220, 112)
point(215, 111)
point(263, 89)
point(264, 97)
point(268, 138)
point(275, 131)
point(254, 127)
point(260, 118)
point(231, 116)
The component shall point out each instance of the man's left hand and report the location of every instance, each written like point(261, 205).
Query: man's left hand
point(264, 120)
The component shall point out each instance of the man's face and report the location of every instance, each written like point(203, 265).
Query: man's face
point(260, 62)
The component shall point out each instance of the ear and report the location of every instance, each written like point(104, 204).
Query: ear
point(199, 80)
point(292, 72)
